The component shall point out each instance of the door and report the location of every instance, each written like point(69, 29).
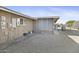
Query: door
point(14, 22)
point(2, 22)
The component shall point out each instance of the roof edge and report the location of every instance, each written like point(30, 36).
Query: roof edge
point(15, 12)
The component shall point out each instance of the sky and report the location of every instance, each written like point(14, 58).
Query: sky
point(64, 12)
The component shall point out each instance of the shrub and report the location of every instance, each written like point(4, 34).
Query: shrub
point(78, 28)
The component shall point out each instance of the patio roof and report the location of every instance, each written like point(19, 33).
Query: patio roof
point(50, 17)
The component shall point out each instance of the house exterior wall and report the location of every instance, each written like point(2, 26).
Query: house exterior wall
point(11, 30)
point(12, 26)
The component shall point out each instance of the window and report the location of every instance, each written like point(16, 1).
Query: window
point(21, 21)
point(14, 22)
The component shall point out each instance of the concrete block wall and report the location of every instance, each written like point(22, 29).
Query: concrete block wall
point(10, 33)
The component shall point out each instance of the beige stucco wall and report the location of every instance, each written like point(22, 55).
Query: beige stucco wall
point(12, 33)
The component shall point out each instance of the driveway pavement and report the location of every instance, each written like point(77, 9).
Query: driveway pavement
point(54, 42)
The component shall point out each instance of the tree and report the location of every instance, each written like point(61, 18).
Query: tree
point(70, 23)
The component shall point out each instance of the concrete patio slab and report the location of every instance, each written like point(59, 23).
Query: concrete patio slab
point(75, 38)
point(54, 42)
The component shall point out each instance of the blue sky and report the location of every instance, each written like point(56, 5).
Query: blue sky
point(64, 12)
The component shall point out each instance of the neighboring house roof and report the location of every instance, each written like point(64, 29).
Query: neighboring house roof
point(20, 14)
point(76, 24)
